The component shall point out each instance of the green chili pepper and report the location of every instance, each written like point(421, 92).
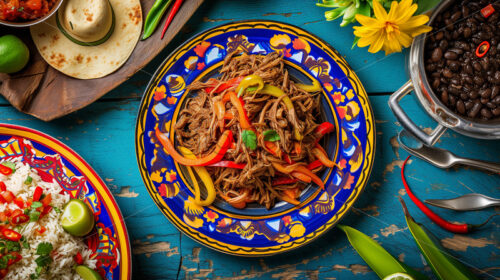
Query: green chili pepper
point(154, 17)
point(379, 260)
point(444, 265)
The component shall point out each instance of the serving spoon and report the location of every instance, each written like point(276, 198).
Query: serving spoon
point(468, 202)
point(440, 157)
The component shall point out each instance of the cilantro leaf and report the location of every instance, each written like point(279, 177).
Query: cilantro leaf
point(26, 244)
point(43, 260)
point(13, 246)
point(271, 135)
point(3, 263)
point(36, 204)
point(44, 248)
point(58, 210)
point(28, 180)
point(249, 139)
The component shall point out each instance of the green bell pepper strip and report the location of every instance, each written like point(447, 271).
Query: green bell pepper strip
point(444, 265)
point(379, 260)
point(154, 17)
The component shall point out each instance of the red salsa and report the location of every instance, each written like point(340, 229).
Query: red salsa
point(24, 10)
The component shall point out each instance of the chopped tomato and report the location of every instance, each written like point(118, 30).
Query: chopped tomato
point(79, 258)
point(46, 200)
point(2, 200)
point(3, 187)
point(7, 211)
point(34, 4)
point(8, 196)
point(29, 201)
point(3, 217)
point(20, 218)
point(3, 273)
point(5, 170)
point(37, 194)
point(19, 201)
point(41, 230)
point(45, 210)
point(11, 235)
point(17, 257)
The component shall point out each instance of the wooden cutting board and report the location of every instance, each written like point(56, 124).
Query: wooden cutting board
point(43, 92)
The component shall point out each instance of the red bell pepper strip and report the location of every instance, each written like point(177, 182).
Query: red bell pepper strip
point(284, 181)
point(321, 155)
point(299, 168)
point(323, 129)
point(11, 235)
point(3, 187)
point(37, 194)
point(239, 105)
point(315, 164)
point(229, 164)
point(5, 170)
point(222, 146)
point(226, 85)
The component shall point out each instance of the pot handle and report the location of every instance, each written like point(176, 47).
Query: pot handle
point(407, 123)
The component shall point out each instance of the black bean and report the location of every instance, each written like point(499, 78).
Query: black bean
point(468, 69)
point(496, 111)
point(485, 93)
point(450, 55)
point(454, 66)
point(444, 97)
point(443, 44)
point(453, 101)
point(436, 83)
point(496, 100)
point(464, 96)
point(491, 105)
point(496, 77)
point(474, 110)
point(477, 66)
point(495, 91)
point(467, 32)
point(486, 113)
point(468, 105)
point(439, 35)
point(447, 73)
point(460, 107)
point(478, 80)
point(456, 16)
point(484, 101)
point(437, 54)
point(473, 94)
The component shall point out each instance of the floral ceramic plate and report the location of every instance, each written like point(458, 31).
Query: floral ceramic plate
point(255, 231)
point(55, 161)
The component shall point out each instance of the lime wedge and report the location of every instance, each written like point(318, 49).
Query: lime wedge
point(399, 276)
point(87, 273)
point(77, 219)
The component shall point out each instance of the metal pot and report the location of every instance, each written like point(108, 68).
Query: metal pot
point(446, 118)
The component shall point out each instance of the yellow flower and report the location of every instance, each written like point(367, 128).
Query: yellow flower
point(390, 31)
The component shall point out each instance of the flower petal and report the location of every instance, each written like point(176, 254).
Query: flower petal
point(404, 39)
point(365, 41)
point(364, 20)
point(377, 44)
point(415, 21)
point(379, 11)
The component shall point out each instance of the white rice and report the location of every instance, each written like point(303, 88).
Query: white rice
point(65, 245)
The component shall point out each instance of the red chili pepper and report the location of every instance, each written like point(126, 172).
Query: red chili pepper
point(229, 164)
point(41, 230)
point(46, 200)
point(78, 258)
point(482, 49)
point(37, 194)
point(3, 187)
point(45, 211)
point(8, 196)
point(11, 235)
point(20, 218)
point(5, 170)
point(174, 10)
point(222, 87)
point(487, 11)
point(451, 227)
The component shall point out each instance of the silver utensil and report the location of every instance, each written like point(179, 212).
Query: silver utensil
point(440, 157)
point(472, 201)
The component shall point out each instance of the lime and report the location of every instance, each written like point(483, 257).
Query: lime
point(77, 219)
point(14, 54)
point(399, 276)
point(87, 273)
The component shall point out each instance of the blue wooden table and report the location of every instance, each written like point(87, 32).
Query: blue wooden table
point(103, 133)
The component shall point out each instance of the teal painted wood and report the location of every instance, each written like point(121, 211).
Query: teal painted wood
point(103, 133)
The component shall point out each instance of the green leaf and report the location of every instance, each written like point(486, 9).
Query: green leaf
point(425, 5)
point(379, 260)
point(355, 42)
point(10, 165)
point(43, 260)
point(44, 248)
point(28, 180)
point(249, 139)
point(444, 265)
point(13, 246)
point(334, 14)
point(36, 204)
point(271, 135)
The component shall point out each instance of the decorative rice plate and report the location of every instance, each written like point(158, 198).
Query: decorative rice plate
point(255, 231)
point(53, 160)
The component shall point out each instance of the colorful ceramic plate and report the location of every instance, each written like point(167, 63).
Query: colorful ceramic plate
point(54, 160)
point(254, 230)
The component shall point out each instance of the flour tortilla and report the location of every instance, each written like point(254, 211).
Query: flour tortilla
point(91, 62)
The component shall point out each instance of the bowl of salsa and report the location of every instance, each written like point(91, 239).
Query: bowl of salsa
point(23, 13)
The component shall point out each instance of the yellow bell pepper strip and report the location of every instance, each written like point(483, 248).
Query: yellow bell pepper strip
point(316, 86)
point(277, 92)
point(299, 168)
point(250, 81)
point(221, 148)
point(205, 178)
